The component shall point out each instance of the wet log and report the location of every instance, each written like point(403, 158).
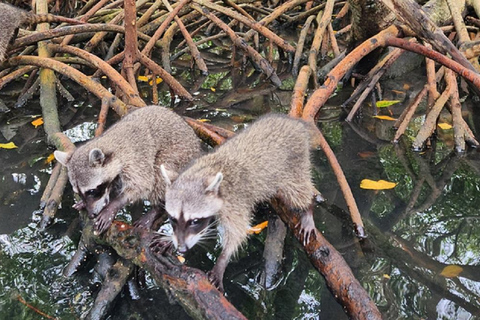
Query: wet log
point(188, 286)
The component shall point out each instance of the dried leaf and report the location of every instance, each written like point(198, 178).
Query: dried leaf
point(398, 92)
point(159, 80)
point(258, 228)
point(50, 158)
point(37, 122)
point(377, 185)
point(143, 78)
point(181, 259)
point(385, 118)
point(9, 145)
point(386, 103)
point(451, 271)
point(366, 154)
point(445, 126)
point(406, 86)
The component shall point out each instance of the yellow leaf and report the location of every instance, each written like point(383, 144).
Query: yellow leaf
point(377, 185)
point(37, 122)
point(49, 158)
point(213, 89)
point(143, 78)
point(385, 118)
point(159, 80)
point(406, 86)
point(386, 103)
point(445, 126)
point(386, 276)
point(181, 259)
point(9, 145)
point(451, 271)
point(258, 228)
point(204, 120)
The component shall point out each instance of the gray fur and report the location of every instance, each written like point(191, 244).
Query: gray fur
point(132, 150)
point(11, 18)
point(270, 158)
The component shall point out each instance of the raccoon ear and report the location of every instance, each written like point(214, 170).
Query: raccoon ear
point(62, 157)
point(168, 175)
point(215, 184)
point(96, 157)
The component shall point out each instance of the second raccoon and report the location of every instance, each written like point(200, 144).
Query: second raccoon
point(123, 164)
point(270, 158)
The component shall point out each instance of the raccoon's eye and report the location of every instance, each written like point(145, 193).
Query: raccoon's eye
point(91, 193)
point(195, 222)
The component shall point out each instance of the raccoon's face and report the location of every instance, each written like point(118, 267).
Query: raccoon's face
point(93, 178)
point(192, 206)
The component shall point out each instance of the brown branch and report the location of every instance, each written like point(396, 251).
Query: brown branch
point(131, 95)
point(169, 80)
point(408, 113)
point(298, 96)
point(131, 42)
point(193, 48)
point(73, 74)
point(323, 23)
point(300, 44)
point(251, 24)
point(239, 42)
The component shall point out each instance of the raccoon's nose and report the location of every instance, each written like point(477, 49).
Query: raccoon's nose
point(182, 249)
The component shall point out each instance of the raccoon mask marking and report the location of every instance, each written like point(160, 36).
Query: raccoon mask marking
point(192, 208)
point(93, 187)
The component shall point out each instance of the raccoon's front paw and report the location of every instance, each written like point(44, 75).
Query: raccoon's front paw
point(102, 222)
point(216, 280)
point(307, 227)
point(80, 205)
point(160, 245)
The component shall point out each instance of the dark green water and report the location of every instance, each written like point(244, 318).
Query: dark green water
point(416, 230)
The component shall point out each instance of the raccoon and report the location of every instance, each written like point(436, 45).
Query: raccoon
point(123, 164)
point(269, 159)
point(12, 18)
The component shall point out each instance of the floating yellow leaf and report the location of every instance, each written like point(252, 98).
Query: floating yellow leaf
point(258, 228)
point(143, 78)
point(204, 120)
point(445, 126)
point(50, 158)
point(37, 122)
point(377, 185)
point(157, 81)
point(181, 259)
point(213, 89)
point(386, 103)
point(385, 118)
point(386, 276)
point(451, 271)
point(9, 145)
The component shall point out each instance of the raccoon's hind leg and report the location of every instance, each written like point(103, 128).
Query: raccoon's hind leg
point(300, 201)
point(105, 217)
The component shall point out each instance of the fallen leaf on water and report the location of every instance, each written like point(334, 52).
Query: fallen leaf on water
point(386, 103)
point(204, 120)
point(385, 118)
point(181, 259)
point(143, 78)
point(445, 126)
point(157, 81)
point(213, 89)
point(398, 91)
point(37, 122)
point(406, 86)
point(451, 271)
point(258, 228)
point(9, 145)
point(377, 185)
point(49, 158)
point(366, 154)
point(386, 276)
